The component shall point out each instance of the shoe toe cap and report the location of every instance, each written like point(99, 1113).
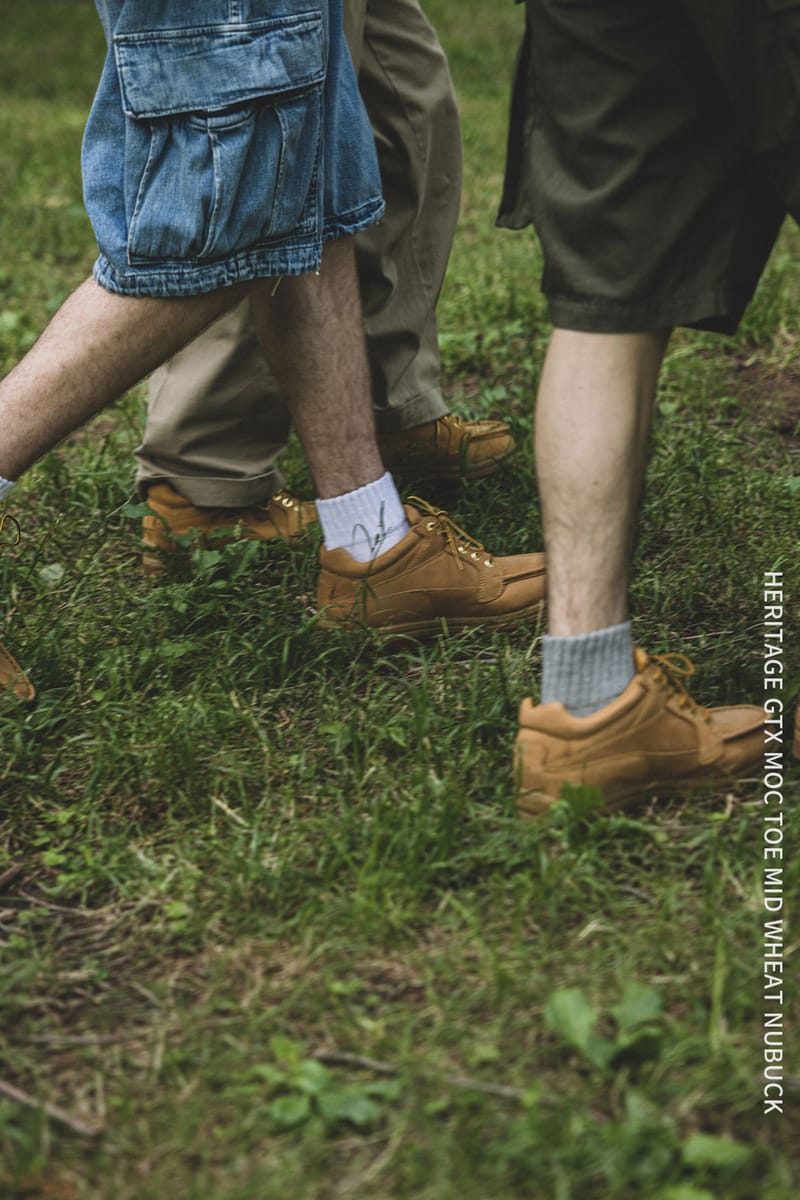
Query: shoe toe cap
point(740, 728)
point(523, 580)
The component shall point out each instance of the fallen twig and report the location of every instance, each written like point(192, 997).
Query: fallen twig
point(10, 874)
point(341, 1058)
point(89, 1039)
point(488, 1089)
point(87, 913)
point(52, 1111)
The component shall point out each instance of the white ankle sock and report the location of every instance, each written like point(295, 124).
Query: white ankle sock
point(5, 486)
point(366, 522)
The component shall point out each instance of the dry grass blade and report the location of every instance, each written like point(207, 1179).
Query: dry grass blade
point(75, 1124)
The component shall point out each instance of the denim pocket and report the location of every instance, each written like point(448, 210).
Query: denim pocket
point(222, 135)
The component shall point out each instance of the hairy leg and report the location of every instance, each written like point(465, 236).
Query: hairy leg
point(593, 418)
point(313, 336)
point(96, 346)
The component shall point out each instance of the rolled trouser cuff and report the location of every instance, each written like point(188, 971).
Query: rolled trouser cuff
point(215, 491)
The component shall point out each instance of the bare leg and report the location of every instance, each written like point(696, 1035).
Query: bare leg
point(593, 420)
point(313, 337)
point(96, 346)
point(99, 344)
point(610, 717)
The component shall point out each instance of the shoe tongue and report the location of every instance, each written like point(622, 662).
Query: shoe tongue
point(640, 659)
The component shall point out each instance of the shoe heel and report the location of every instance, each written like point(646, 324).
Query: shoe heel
point(151, 566)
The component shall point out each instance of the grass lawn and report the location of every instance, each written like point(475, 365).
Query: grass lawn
point(269, 926)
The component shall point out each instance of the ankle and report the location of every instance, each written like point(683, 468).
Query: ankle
point(365, 522)
point(587, 672)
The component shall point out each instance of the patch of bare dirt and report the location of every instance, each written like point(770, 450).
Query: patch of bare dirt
point(775, 394)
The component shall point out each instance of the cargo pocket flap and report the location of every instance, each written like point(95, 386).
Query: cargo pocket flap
point(206, 70)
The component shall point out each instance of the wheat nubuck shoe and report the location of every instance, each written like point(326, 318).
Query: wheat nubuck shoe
point(284, 516)
point(652, 736)
point(436, 577)
point(448, 448)
point(12, 676)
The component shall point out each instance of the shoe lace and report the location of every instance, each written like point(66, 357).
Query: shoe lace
point(672, 670)
point(6, 516)
point(459, 542)
point(446, 425)
point(285, 498)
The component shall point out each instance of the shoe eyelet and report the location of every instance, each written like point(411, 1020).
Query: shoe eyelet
point(431, 525)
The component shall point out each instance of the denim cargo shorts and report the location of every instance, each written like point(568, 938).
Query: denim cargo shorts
point(227, 141)
point(653, 203)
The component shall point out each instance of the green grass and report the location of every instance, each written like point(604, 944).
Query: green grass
point(245, 842)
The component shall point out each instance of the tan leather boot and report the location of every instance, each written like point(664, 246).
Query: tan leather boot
point(11, 673)
point(12, 676)
point(437, 577)
point(448, 448)
point(284, 516)
point(652, 736)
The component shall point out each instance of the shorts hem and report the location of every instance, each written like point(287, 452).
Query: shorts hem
point(293, 256)
point(716, 312)
point(348, 224)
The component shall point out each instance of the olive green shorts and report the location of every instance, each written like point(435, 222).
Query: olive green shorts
point(625, 153)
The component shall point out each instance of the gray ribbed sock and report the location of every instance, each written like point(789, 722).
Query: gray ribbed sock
point(5, 486)
point(587, 672)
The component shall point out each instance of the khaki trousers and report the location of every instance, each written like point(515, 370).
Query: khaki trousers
point(216, 420)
